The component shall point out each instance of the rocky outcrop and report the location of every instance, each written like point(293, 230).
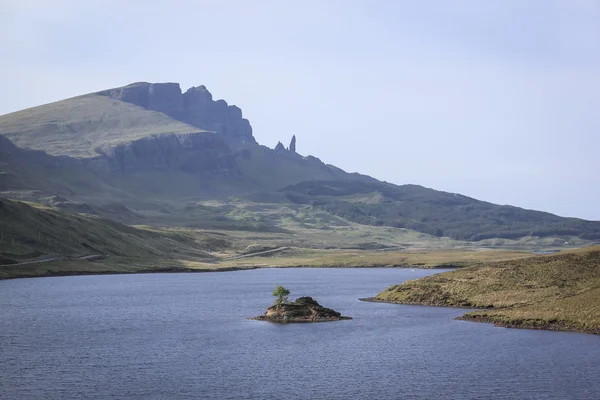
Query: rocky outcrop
point(195, 107)
point(163, 97)
point(292, 147)
point(217, 116)
point(304, 309)
point(280, 148)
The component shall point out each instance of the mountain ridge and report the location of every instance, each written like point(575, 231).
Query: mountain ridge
point(195, 107)
point(150, 145)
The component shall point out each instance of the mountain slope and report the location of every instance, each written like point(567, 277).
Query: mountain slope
point(156, 150)
point(143, 128)
point(31, 230)
point(86, 126)
point(34, 175)
point(434, 212)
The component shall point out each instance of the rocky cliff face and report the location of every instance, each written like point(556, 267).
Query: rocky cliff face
point(197, 153)
point(195, 107)
point(218, 116)
point(204, 154)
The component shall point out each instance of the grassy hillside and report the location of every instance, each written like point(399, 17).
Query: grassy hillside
point(80, 126)
point(559, 291)
point(37, 240)
point(434, 212)
point(32, 232)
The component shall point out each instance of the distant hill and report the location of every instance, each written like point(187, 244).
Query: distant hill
point(149, 149)
point(146, 127)
point(434, 212)
point(28, 231)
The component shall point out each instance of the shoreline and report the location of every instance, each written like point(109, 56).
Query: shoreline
point(541, 326)
point(538, 325)
point(298, 258)
point(175, 270)
point(298, 321)
point(376, 300)
point(523, 324)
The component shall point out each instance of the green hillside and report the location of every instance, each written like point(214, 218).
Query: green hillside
point(37, 240)
point(29, 230)
point(434, 212)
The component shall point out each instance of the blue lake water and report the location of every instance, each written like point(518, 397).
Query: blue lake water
point(185, 336)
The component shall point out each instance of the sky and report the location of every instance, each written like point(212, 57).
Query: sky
point(497, 100)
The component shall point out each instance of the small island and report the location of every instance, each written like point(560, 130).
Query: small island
point(304, 309)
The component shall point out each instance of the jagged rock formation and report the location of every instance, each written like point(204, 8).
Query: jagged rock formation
point(195, 107)
point(280, 148)
point(146, 127)
point(292, 147)
point(163, 97)
point(304, 309)
point(203, 112)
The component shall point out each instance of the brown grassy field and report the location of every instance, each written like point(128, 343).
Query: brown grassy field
point(436, 258)
point(285, 258)
point(560, 292)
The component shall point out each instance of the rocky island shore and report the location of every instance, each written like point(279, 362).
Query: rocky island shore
point(304, 309)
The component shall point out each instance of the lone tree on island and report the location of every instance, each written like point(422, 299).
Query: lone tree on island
point(281, 293)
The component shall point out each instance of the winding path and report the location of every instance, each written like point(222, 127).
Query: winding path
point(44, 260)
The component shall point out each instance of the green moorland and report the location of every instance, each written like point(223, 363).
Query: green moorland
point(434, 212)
point(557, 292)
point(35, 240)
point(39, 240)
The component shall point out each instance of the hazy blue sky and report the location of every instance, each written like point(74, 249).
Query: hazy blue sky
point(498, 100)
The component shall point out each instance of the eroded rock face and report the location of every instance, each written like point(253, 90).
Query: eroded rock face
point(304, 309)
point(167, 98)
point(218, 116)
point(163, 97)
point(198, 153)
point(195, 107)
point(280, 148)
